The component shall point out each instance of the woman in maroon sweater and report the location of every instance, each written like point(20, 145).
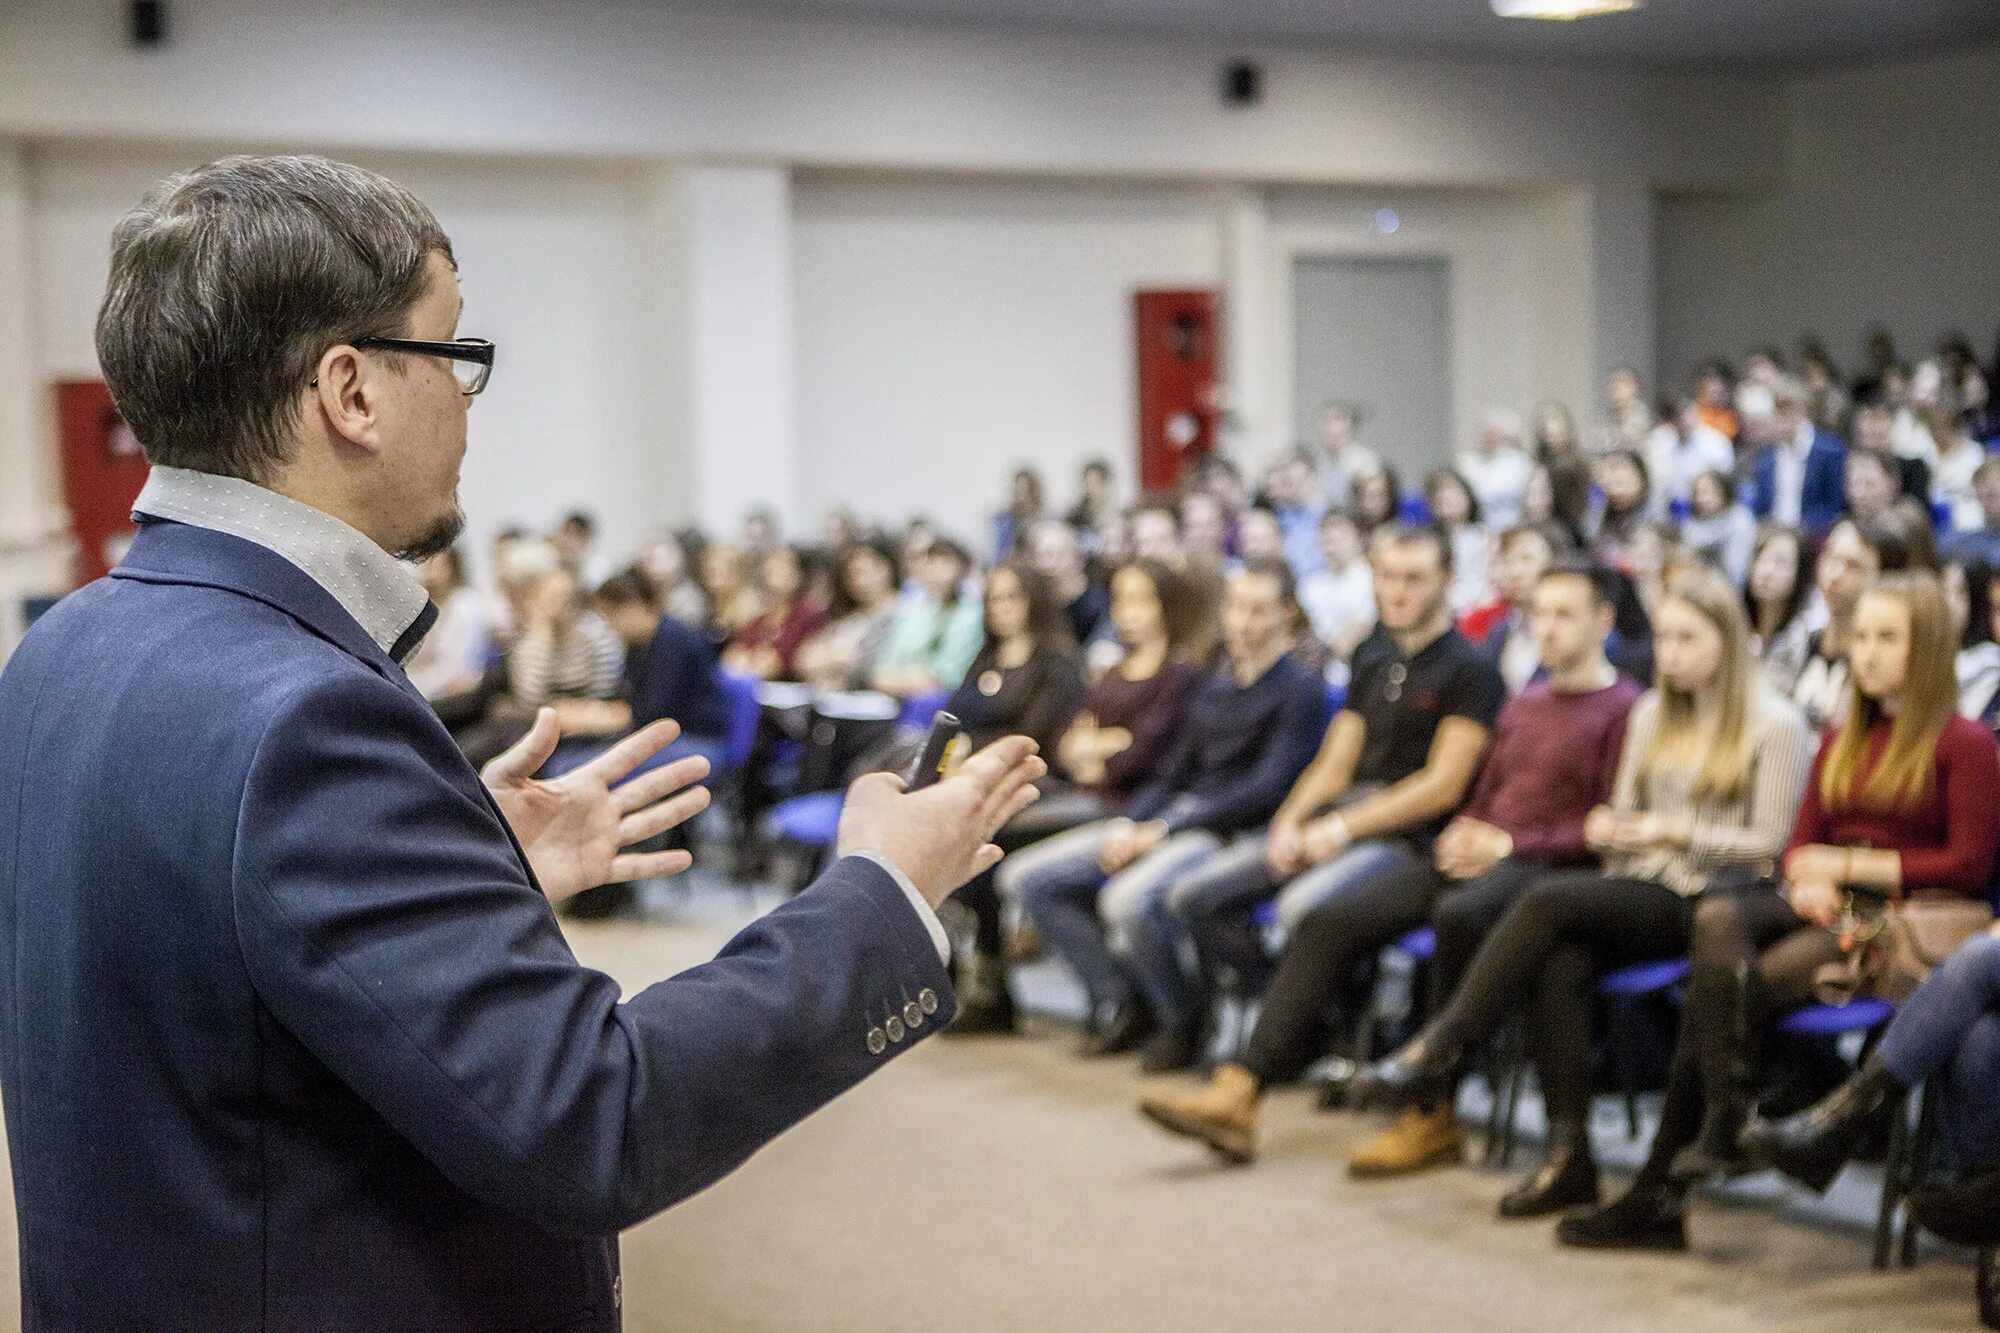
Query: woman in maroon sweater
point(1903, 798)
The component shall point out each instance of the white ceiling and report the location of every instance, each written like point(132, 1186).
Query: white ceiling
point(1774, 34)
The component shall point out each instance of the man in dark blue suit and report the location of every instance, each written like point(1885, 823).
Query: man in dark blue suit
point(1798, 478)
point(290, 1037)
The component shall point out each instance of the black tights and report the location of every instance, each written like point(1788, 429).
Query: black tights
point(1754, 959)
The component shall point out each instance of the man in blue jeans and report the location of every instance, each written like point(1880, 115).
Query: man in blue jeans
point(1248, 733)
point(1396, 761)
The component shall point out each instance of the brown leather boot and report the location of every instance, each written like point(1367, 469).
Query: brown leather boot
point(1417, 1141)
point(1222, 1113)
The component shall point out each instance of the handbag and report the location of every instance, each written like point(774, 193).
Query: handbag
point(1888, 948)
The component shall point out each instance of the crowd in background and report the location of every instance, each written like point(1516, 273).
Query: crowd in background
point(1713, 679)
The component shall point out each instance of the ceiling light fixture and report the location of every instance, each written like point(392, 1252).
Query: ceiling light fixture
point(1562, 9)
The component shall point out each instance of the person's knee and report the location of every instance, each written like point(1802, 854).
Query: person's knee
point(1717, 929)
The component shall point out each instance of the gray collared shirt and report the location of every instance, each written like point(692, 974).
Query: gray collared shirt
point(383, 594)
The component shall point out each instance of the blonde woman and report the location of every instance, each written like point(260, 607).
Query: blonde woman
point(1904, 798)
point(1708, 780)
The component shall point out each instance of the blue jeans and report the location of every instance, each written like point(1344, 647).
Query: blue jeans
point(1950, 1029)
point(1064, 891)
point(1213, 905)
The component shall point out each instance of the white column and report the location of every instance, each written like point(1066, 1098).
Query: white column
point(31, 518)
point(728, 381)
point(1257, 422)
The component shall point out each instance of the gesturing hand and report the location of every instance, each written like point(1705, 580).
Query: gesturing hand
point(574, 828)
point(943, 835)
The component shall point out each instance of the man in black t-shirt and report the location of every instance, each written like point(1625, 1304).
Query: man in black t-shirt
point(1397, 760)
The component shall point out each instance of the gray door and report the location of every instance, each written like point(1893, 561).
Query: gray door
point(1378, 332)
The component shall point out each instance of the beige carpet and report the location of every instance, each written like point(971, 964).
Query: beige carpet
point(997, 1184)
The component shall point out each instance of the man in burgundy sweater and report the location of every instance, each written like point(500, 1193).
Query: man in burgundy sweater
point(1553, 758)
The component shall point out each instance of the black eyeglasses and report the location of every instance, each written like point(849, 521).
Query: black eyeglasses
point(471, 358)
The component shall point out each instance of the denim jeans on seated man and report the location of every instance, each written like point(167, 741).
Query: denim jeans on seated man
point(1081, 912)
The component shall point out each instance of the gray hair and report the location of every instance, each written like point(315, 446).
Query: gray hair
point(230, 281)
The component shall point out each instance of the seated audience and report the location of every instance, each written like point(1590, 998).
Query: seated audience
point(1718, 529)
point(1500, 627)
point(1339, 599)
point(1555, 754)
point(1377, 500)
point(1096, 504)
point(1341, 455)
point(1776, 597)
point(1959, 457)
point(455, 656)
point(1111, 748)
point(1982, 541)
point(1055, 550)
point(1396, 761)
point(1680, 449)
point(766, 646)
point(1968, 592)
point(1496, 467)
point(937, 629)
point(1708, 780)
point(1903, 803)
point(575, 543)
point(1621, 476)
point(670, 672)
point(1204, 527)
point(1872, 484)
point(1156, 534)
point(1454, 508)
point(1797, 479)
point(1854, 554)
point(733, 597)
point(1628, 418)
point(667, 562)
point(859, 614)
point(1025, 508)
point(1249, 732)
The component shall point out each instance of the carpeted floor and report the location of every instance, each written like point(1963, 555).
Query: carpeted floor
point(1002, 1184)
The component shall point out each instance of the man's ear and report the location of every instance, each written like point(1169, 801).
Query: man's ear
point(345, 391)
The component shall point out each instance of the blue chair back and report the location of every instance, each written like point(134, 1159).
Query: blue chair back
point(917, 712)
point(741, 693)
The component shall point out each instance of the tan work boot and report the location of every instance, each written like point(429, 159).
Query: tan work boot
point(1221, 1113)
point(1417, 1141)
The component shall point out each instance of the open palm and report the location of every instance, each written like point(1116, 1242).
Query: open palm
point(575, 828)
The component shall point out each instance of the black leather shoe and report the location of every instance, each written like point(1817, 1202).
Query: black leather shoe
point(1172, 1049)
point(1966, 1212)
point(1566, 1179)
point(1716, 1155)
point(1126, 1030)
point(1813, 1145)
point(1421, 1074)
point(1645, 1219)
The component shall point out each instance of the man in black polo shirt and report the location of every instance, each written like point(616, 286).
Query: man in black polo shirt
point(1395, 763)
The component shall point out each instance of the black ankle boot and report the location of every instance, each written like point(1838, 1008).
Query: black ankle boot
point(1965, 1212)
point(1813, 1145)
point(1727, 1069)
point(1130, 1024)
point(1173, 1048)
point(1567, 1177)
point(1423, 1073)
point(986, 1006)
point(1649, 1217)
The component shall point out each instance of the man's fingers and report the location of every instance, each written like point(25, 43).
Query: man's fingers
point(984, 860)
point(647, 788)
point(657, 819)
point(1022, 798)
point(1003, 791)
point(991, 765)
point(521, 760)
point(628, 866)
point(634, 750)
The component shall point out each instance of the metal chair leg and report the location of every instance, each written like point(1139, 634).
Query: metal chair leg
point(1917, 1169)
point(1892, 1176)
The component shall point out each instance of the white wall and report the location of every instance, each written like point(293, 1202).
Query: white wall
point(949, 329)
point(625, 77)
point(550, 255)
point(1889, 212)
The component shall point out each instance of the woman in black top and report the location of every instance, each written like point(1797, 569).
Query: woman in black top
point(1026, 680)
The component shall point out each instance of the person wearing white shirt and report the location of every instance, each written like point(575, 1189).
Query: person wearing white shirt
point(1341, 454)
point(1958, 457)
point(1681, 448)
point(1339, 600)
point(455, 655)
point(1497, 467)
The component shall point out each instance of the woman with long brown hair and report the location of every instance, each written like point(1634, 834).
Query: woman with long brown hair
point(1708, 780)
point(1902, 802)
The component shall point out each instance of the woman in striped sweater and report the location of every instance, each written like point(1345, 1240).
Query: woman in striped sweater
point(1709, 778)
